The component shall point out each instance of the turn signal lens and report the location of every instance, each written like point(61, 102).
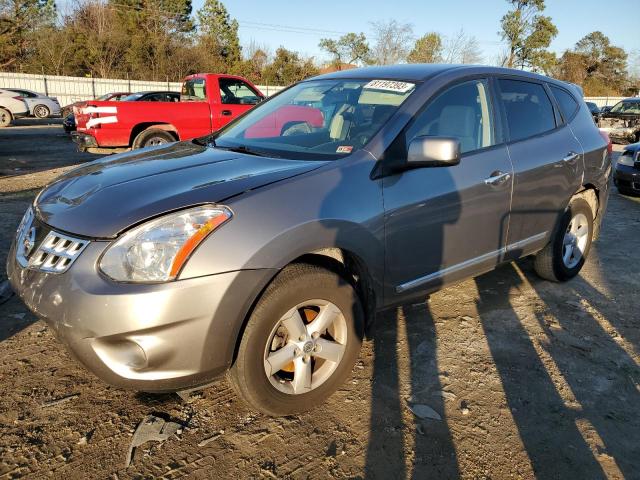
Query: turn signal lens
point(156, 251)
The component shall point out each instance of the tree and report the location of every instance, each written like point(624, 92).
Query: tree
point(528, 34)
point(427, 49)
point(461, 48)
point(219, 32)
point(19, 20)
point(599, 67)
point(393, 42)
point(287, 67)
point(351, 48)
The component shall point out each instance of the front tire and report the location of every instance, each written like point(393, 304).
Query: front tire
point(300, 342)
point(41, 111)
point(564, 256)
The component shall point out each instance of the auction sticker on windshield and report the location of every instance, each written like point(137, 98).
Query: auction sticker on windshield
point(389, 85)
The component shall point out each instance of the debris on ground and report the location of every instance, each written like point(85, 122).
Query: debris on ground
point(151, 429)
point(211, 438)
point(58, 401)
point(424, 411)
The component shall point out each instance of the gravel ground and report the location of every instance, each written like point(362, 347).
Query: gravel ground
point(529, 378)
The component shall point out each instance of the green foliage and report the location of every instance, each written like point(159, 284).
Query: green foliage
point(287, 67)
point(528, 34)
point(218, 31)
point(599, 67)
point(428, 49)
point(351, 49)
point(19, 21)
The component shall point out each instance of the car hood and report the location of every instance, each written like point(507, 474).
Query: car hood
point(105, 197)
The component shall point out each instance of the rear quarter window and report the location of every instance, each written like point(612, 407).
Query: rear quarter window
point(527, 107)
point(568, 105)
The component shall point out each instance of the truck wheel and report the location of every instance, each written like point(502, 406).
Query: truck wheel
point(5, 118)
point(300, 343)
point(151, 137)
point(565, 254)
point(41, 111)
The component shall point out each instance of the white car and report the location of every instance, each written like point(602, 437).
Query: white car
point(12, 106)
point(40, 106)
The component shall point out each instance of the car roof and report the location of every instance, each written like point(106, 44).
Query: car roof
point(418, 72)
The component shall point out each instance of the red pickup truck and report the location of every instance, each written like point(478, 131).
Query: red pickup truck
point(207, 102)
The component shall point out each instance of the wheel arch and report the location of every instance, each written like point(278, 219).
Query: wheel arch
point(140, 128)
point(347, 264)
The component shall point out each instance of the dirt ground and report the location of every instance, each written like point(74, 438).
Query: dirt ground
point(530, 379)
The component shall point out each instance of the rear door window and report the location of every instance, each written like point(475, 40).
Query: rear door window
point(528, 108)
point(568, 105)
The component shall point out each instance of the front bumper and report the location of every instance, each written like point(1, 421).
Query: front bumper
point(627, 178)
point(84, 140)
point(161, 337)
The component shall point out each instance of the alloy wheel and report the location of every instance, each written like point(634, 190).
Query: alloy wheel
point(41, 111)
point(305, 347)
point(575, 240)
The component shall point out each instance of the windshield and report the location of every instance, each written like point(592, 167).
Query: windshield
point(626, 107)
point(321, 119)
point(106, 96)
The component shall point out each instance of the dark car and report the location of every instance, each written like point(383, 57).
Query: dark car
point(69, 122)
point(594, 109)
point(152, 97)
point(626, 175)
point(267, 252)
point(622, 121)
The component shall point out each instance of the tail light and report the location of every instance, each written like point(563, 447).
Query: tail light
point(605, 136)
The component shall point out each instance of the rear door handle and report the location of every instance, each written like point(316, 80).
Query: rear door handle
point(571, 158)
point(497, 178)
point(226, 113)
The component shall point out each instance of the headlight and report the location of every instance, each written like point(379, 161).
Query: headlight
point(157, 250)
point(626, 160)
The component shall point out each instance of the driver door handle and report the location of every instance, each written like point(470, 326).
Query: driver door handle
point(226, 113)
point(571, 158)
point(497, 178)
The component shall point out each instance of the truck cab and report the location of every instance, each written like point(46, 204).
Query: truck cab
point(207, 103)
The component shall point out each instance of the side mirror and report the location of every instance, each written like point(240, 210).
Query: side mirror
point(428, 151)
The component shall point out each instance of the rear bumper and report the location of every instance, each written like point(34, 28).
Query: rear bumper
point(161, 337)
point(84, 140)
point(627, 177)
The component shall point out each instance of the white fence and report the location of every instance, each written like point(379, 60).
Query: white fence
point(72, 89)
point(604, 101)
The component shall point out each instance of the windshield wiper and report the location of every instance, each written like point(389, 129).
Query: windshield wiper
point(247, 150)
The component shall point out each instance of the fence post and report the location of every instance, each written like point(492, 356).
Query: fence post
point(168, 88)
point(128, 83)
point(93, 86)
point(44, 79)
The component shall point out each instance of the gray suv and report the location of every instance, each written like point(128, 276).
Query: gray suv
point(266, 249)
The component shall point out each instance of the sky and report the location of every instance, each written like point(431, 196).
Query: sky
point(299, 25)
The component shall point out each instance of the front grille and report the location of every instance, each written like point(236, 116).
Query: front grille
point(56, 253)
point(39, 248)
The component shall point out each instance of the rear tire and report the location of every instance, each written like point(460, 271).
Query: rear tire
point(283, 321)
point(152, 137)
point(5, 118)
point(41, 111)
point(565, 254)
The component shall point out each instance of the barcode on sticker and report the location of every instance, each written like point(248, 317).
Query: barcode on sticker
point(389, 85)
